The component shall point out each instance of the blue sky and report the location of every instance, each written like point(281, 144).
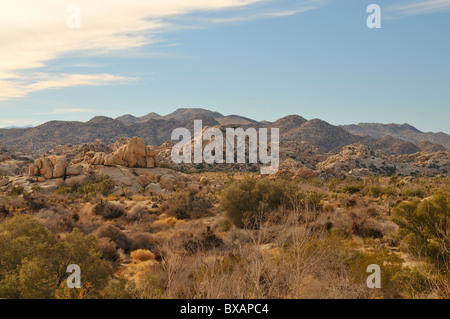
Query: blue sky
point(263, 59)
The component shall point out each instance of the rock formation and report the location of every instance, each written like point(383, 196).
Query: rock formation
point(53, 167)
point(132, 154)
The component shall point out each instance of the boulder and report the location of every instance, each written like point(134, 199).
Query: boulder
point(152, 175)
point(75, 180)
point(48, 188)
point(120, 177)
point(46, 170)
point(74, 170)
point(33, 170)
point(110, 160)
point(60, 165)
point(151, 162)
point(155, 188)
point(143, 180)
point(53, 167)
point(98, 159)
point(135, 154)
point(38, 163)
point(4, 182)
point(167, 182)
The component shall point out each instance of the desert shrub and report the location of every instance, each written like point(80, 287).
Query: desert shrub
point(367, 228)
point(424, 227)
point(16, 190)
point(92, 186)
point(116, 235)
point(56, 219)
point(140, 240)
point(38, 275)
point(203, 241)
point(63, 189)
point(396, 280)
point(108, 249)
point(309, 201)
point(142, 255)
point(136, 213)
point(122, 288)
point(414, 192)
point(108, 210)
point(351, 189)
point(364, 225)
point(349, 201)
point(185, 205)
point(247, 201)
point(35, 200)
point(393, 180)
point(150, 286)
point(378, 191)
point(4, 212)
point(95, 185)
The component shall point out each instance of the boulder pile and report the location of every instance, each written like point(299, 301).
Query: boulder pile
point(53, 167)
point(134, 154)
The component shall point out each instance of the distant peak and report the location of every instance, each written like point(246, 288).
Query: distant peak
point(97, 119)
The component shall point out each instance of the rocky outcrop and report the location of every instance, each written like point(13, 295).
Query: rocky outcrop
point(360, 160)
point(52, 167)
point(355, 157)
point(294, 169)
point(133, 154)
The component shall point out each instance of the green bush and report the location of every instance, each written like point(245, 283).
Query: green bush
point(396, 280)
point(92, 186)
point(414, 192)
point(351, 189)
point(34, 263)
point(424, 227)
point(185, 205)
point(378, 191)
point(108, 210)
point(16, 190)
point(246, 202)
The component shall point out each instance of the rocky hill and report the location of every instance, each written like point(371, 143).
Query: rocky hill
point(183, 114)
point(326, 137)
point(360, 160)
point(235, 119)
point(405, 132)
point(156, 129)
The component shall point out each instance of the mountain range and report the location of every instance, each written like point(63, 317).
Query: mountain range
point(404, 131)
point(156, 129)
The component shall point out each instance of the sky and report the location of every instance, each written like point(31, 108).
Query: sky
point(262, 59)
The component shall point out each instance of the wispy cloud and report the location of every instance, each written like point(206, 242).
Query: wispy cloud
point(21, 86)
point(34, 33)
point(264, 13)
point(421, 7)
point(69, 111)
point(287, 13)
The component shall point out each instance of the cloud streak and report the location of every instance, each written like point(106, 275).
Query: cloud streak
point(23, 85)
point(421, 7)
point(34, 33)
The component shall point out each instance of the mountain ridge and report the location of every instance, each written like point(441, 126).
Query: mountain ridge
point(156, 129)
point(405, 131)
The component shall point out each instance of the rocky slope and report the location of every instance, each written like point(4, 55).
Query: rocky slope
point(156, 129)
point(358, 159)
point(404, 131)
point(135, 167)
point(132, 167)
